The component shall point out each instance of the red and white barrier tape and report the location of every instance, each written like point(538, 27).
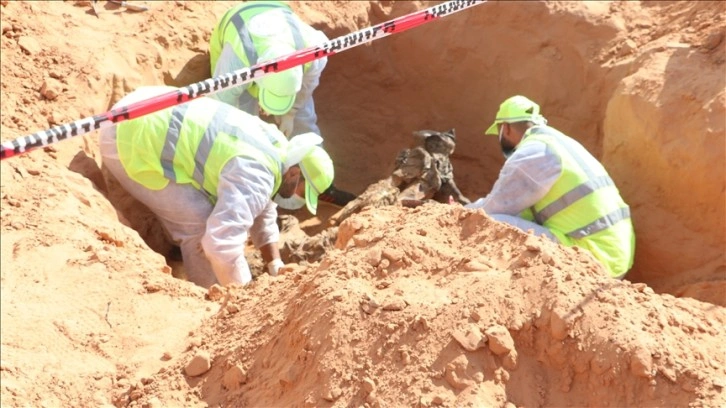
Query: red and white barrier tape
point(229, 80)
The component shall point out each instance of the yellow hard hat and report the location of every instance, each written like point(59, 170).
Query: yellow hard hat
point(516, 109)
point(317, 168)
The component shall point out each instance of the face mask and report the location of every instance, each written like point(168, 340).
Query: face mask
point(294, 202)
point(507, 147)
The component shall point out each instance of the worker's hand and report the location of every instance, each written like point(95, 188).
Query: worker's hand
point(273, 267)
point(286, 123)
point(476, 204)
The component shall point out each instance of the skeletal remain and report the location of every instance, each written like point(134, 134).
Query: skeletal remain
point(426, 171)
point(297, 246)
point(422, 173)
point(384, 192)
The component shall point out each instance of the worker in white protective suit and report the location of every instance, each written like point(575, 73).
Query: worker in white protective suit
point(208, 171)
point(252, 33)
point(552, 185)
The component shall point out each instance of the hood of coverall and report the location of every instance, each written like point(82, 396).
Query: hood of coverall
point(278, 90)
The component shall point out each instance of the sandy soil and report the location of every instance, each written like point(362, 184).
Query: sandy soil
point(432, 306)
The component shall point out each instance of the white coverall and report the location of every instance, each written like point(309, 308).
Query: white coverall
point(211, 237)
point(526, 177)
point(305, 119)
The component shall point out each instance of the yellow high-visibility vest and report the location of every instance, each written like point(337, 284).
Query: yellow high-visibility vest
point(584, 207)
point(190, 144)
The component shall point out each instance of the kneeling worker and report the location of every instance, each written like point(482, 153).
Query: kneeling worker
point(552, 185)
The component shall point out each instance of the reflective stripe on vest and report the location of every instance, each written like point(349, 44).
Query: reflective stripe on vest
point(593, 183)
point(573, 195)
point(172, 136)
point(242, 33)
point(601, 223)
point(194, 149)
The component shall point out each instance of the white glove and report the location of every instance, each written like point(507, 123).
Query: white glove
point(286, 123)
point(476, 204)
point(274, 266)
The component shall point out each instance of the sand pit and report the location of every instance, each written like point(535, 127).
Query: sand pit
point(431, 306)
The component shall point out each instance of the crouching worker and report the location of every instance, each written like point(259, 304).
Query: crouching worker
point(552, 185)
point(208, 171)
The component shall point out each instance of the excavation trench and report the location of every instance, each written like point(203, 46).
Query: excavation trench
point(432, 306)
point(620, 95)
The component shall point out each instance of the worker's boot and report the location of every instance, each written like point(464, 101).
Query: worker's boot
point(336, 197)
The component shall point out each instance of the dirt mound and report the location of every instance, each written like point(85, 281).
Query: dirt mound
point(435, 305)
point(466, 313)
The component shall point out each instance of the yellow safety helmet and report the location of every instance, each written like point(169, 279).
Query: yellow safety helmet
point(317, 168)
point(516, 109)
